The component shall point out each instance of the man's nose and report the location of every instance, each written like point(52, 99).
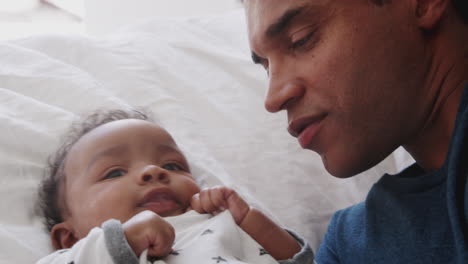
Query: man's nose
point(283, 90)
point(153, 173)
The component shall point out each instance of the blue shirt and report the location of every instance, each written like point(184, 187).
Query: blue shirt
point(412, 217)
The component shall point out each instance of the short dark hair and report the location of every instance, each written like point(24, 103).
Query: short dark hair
point(49, 203)
point(461, 6)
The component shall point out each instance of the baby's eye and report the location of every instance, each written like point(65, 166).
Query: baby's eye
point(173, 167)
point(114, 174)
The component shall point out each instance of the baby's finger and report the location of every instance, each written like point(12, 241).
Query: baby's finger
point(217, 198)
point(161, 245)
point(206, 203)
point(160, 249)
point(196, 204)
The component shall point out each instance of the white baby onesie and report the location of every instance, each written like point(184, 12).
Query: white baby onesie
point(200, 238)
point(211, 239)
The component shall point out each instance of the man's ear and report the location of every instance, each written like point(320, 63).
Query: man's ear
point(429, 13)
point(63, 236)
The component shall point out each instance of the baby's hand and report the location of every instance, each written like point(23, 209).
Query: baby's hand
point(147, 230)
point(217, 199)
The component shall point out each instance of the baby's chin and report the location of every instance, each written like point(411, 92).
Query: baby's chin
point(179, 212)
point(176, 212)
point(188, 208)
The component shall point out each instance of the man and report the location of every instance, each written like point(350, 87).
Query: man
point(359, 78)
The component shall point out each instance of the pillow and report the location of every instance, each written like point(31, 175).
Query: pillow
point(106, 16)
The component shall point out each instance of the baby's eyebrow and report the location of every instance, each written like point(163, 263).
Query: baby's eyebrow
point(112, 152)
point(163, 149)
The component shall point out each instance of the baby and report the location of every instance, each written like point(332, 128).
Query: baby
point(120, 167)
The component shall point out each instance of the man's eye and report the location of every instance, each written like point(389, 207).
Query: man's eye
point(114, 174)
point(302, 42)
point(259, 60)
point(266, 66)
point(173, 167)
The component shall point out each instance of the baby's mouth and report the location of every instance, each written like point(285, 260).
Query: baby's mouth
point(160, 201)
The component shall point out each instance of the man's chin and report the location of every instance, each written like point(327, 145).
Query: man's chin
point(343, 168)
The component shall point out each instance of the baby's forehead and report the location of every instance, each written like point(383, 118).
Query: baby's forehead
point(126, 130)
point(127, 133)
point(132, 126)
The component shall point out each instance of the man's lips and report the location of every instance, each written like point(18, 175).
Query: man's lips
point(160, 200)
point(305, 128)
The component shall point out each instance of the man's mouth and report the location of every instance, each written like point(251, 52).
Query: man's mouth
point(306, 128)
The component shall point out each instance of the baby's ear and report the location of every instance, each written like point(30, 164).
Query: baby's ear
point(62, 236)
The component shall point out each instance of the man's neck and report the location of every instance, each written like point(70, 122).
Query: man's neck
point(431, 146)
point(447, 78)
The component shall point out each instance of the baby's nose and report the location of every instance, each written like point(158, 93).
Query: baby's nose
point(154, 173)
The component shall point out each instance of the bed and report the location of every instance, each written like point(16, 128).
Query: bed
point(196, 76)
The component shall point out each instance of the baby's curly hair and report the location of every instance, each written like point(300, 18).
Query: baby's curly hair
point(49, 204)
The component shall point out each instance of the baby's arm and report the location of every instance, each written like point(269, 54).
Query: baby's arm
point(90, 249)
point(274, 239)
point(115, 243)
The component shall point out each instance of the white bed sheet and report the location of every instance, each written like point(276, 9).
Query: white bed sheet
point(197, 78)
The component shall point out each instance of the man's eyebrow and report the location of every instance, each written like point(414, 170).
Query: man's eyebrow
point(112, 151)
point(283, 22)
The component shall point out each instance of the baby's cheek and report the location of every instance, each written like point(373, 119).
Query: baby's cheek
point(194, 190)
point(96, 212)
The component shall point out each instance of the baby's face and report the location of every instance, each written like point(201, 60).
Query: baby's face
point(122, 168)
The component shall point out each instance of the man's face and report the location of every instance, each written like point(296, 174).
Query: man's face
point(348, 73)
point(122, 168)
